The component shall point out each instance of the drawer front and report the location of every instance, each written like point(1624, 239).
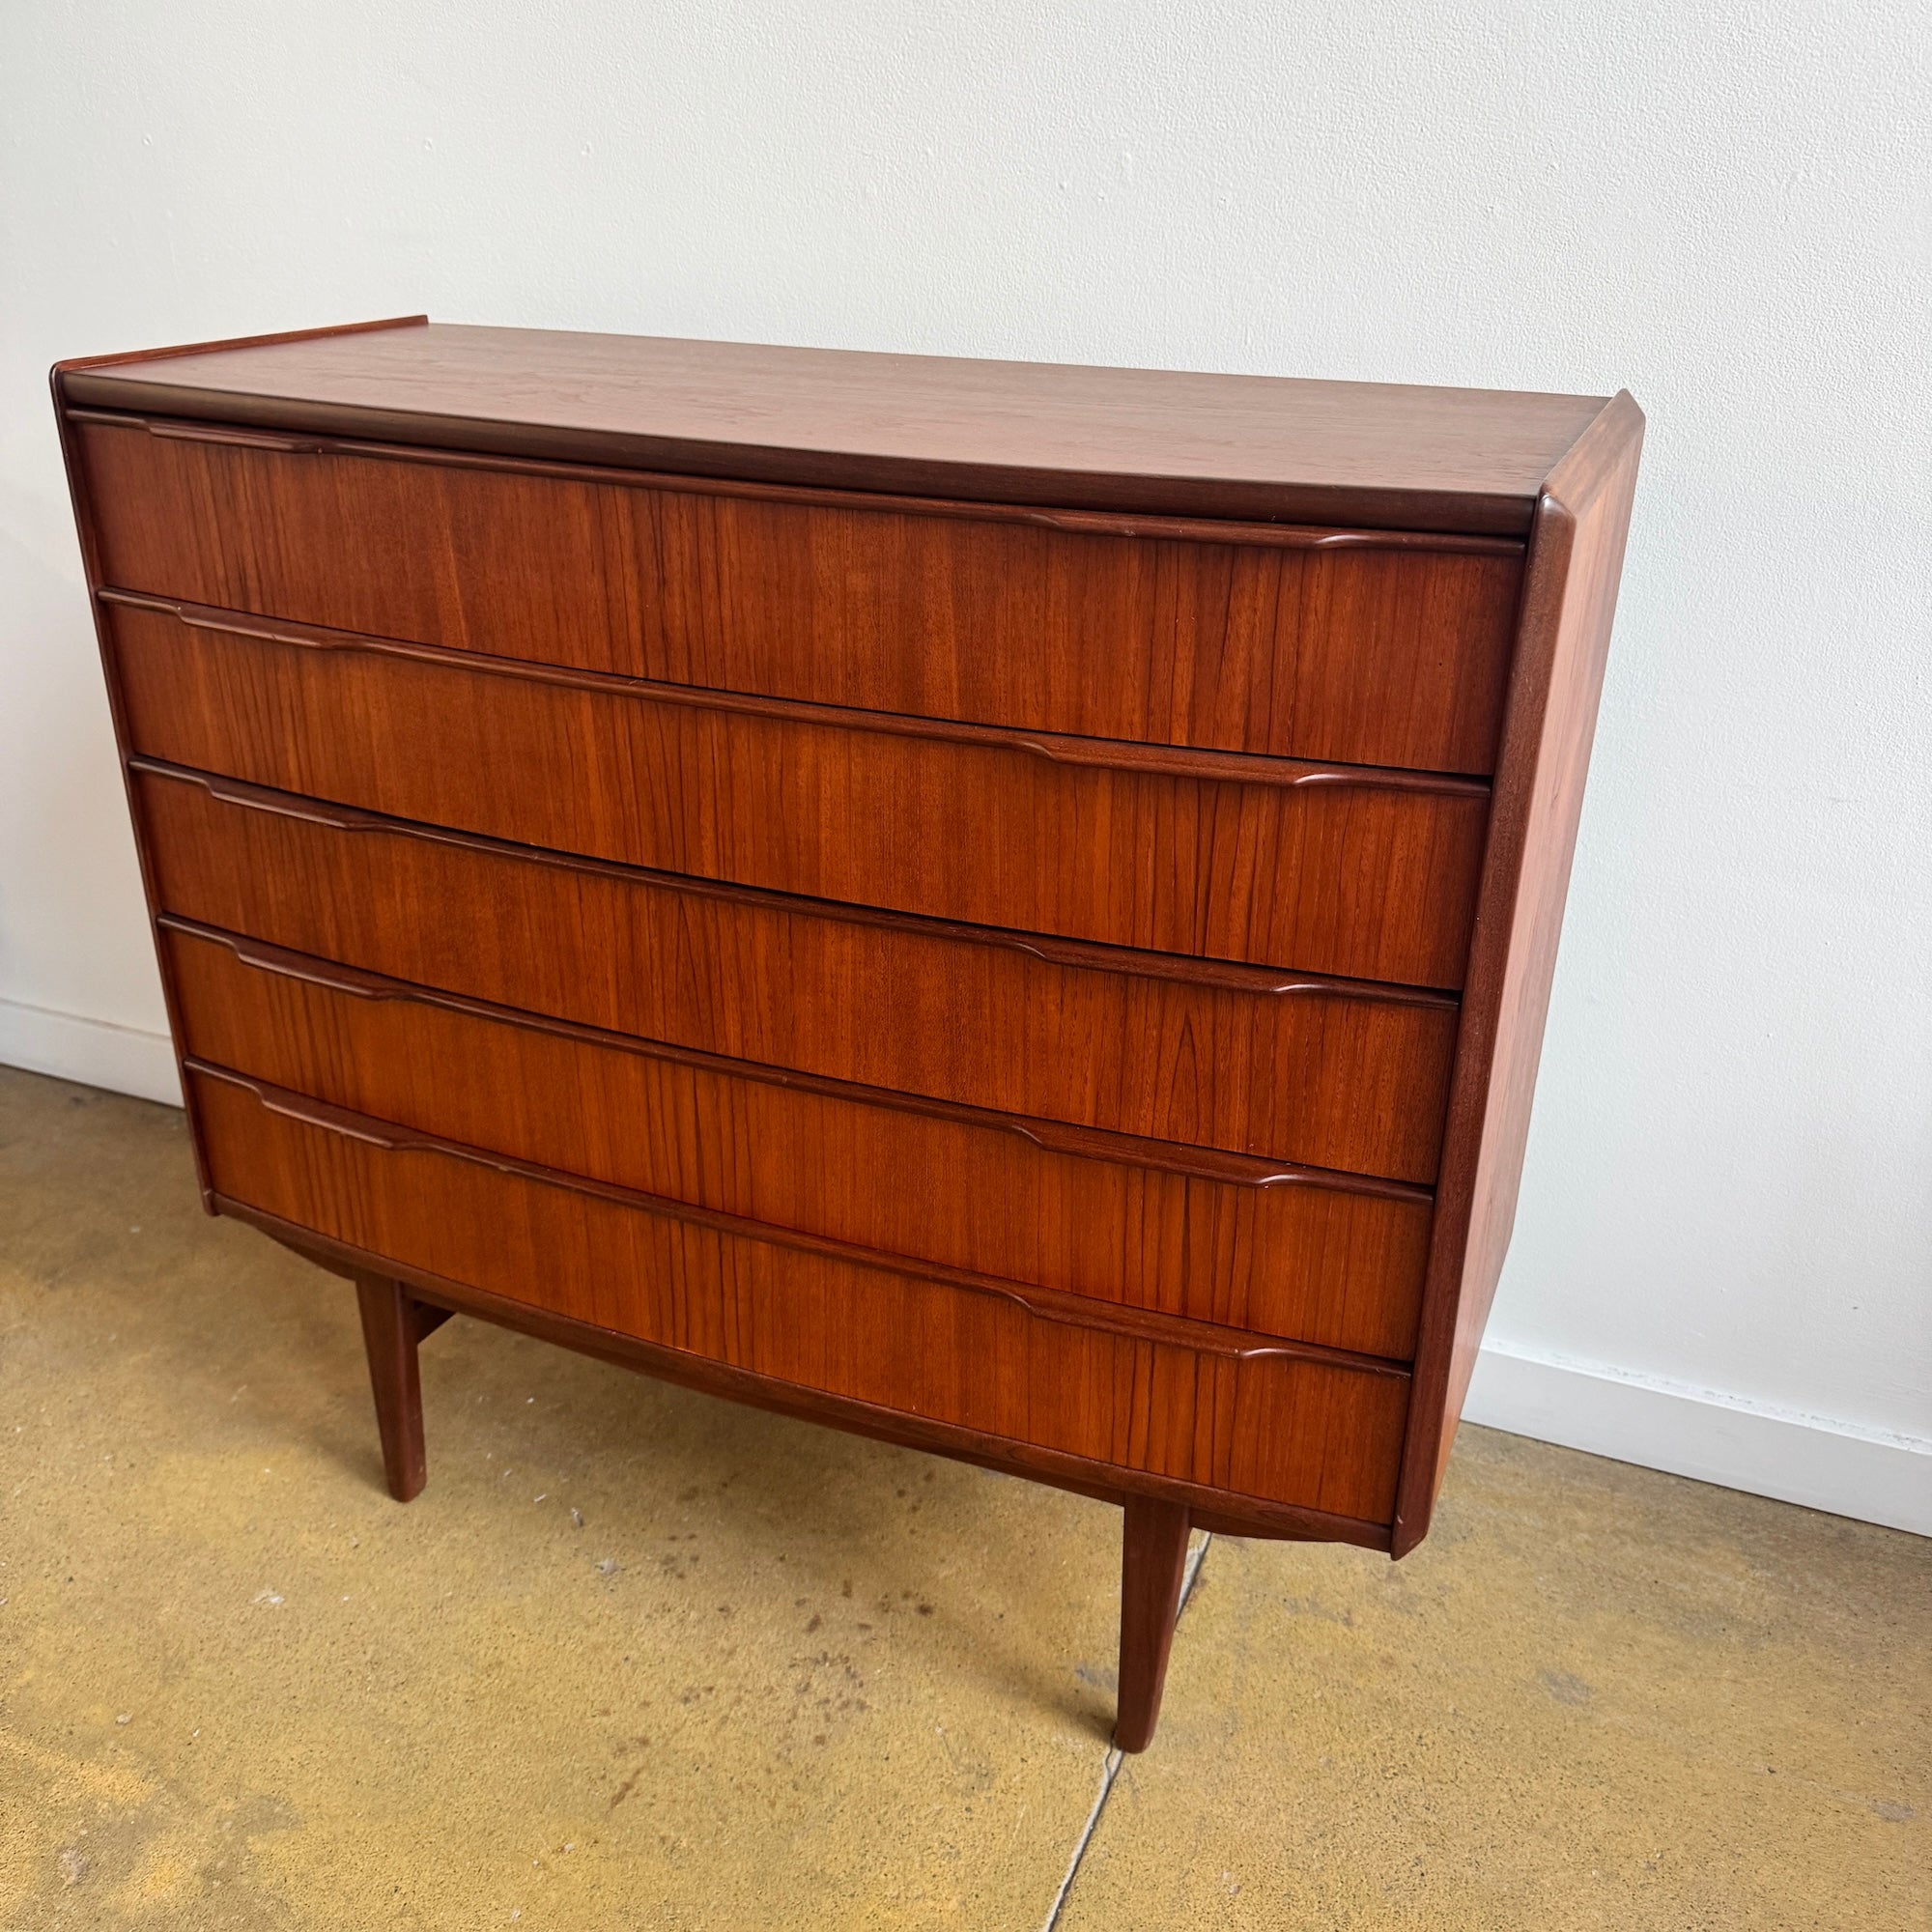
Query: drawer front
point(1362, 647)
point(1286, 1429)
point(1242, 1243)
point(1330, 874)
point(1171, 1050)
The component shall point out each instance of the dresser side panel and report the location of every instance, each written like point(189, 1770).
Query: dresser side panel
point(1570, 601)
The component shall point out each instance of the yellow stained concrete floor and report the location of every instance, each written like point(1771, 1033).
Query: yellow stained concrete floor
point(637, 1658)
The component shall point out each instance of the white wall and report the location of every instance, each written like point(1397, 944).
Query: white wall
point(1724, 1251)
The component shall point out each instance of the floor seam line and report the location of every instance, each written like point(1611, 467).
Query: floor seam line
point(1110, 1765)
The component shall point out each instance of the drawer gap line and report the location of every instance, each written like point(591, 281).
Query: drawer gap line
point(1044, 1303)
point(1130, 757)
point(1223, 1512)
point(1206, 1162)
point(1149, 526)
point(1091, 955)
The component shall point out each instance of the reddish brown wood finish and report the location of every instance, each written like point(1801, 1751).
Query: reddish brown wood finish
point(1047, 1304)
point(86, 508)
point(75, 367)
point(1123, 1185)
point(1570, 600)
point(1133, 1044)
point(1208, 1509)
point(1324, 868)
point(1246, 1243)
point(390, 1332)
point(1285, 1429)
point(1269, 448)
point(1153, 1566)
point(1357, 647)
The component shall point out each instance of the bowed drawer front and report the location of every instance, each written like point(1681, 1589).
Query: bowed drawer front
point(1245, 1242)
point(1287, 1066)
point(1215, 1409)
point(1334, 869)
point(1006, 908)
point(1367, 647)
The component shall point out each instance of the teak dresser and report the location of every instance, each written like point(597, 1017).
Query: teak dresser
point(1004, 907)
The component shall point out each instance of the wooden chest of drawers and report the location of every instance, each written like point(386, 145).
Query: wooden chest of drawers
point(1004, 907)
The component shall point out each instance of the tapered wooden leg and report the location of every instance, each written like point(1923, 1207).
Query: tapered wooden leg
point(1153, 1559)
point(393, 1323)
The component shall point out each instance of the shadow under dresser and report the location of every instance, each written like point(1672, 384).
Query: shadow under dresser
point(1004, 907)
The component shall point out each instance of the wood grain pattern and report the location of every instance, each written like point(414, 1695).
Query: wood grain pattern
point(1331, 872)
point(1210, 1510)
point(1355, 648)
point(87, 510)
point(72, 365)
point(922, 894)
point(1284, 1430)
point(390, 1332)
point(1154, 1567)
point(1291, 1252)
point(1330, 1076)
point(1575, 560)
point(810, 879)
point(1269, 448)
point(1045, 1304)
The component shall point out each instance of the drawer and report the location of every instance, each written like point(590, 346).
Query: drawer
point(1360, 648)
point(1167, 1398)
point(1288, 1065)
point(1331, 869)
point(1245, 1243)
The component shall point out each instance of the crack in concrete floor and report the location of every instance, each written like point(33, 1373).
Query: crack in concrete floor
point(1110, 1766)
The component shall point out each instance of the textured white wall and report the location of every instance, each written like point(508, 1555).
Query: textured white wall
point(1728, 1207)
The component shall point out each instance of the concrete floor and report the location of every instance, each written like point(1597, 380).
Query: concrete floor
point(640, 1660)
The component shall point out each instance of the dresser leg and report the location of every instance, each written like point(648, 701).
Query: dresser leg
point(1153, 1558)
point(393, 1323)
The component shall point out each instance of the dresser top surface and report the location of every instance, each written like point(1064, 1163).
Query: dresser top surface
point(1156, 441)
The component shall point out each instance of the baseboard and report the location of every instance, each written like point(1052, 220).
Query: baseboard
point(1811, 1460)
point(97, 1053)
